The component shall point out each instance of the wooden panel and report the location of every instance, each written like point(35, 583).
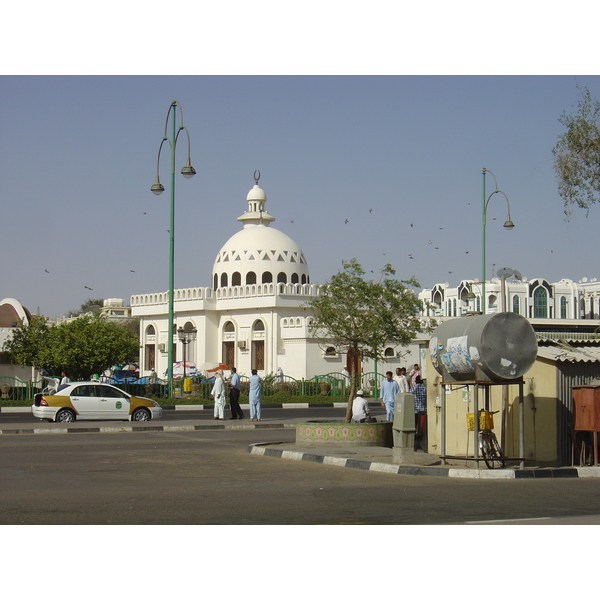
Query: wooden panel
point(586, 409)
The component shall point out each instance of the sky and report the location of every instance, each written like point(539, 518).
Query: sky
point(399, 157)
point(383, 114)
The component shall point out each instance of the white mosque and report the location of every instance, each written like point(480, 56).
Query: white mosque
point(254, 316)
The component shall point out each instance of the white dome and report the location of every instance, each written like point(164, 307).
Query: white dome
point(259, 254)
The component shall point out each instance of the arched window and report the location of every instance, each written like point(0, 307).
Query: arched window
point(267, 277)
point(250, 278)
point(236, 279)
point(224, 280)
point(303, 279)
point(215, 282)
point(330, 351)
point(295, 278)
point(150, 330)
point(389, 352)
point(229, 327)
point(282, 277)
point(563, 307)
point(515, 304)
point(540, 303)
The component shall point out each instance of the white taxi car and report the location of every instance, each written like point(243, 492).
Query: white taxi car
point(93, 400)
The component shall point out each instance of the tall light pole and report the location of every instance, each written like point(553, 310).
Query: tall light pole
point(187, 171)
point(508, 224)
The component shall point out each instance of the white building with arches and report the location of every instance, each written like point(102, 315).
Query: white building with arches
point(254, 315)
point(560, 304)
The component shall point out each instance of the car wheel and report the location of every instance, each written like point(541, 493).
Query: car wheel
point(65, 416)
point(141, 414)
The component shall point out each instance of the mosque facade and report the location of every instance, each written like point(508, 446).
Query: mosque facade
point(254, 315)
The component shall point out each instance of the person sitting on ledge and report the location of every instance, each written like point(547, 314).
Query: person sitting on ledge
point(360, 408)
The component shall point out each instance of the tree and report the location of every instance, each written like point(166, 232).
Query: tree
point(577, 154)
point(91, 305)
point(360, 317)
point(81, 347)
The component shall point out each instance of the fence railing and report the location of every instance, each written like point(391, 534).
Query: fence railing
point(334, 385)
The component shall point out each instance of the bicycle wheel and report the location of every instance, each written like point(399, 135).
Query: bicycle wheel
point(490, 449)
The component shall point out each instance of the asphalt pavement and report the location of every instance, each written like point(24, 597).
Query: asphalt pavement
point(366, 458)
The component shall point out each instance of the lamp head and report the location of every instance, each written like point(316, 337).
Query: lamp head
point(157, 187)
point(508, 225)
point(188, 171)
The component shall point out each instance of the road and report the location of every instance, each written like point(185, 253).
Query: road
point(208, 477)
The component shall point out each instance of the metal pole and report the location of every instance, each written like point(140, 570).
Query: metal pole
point(171, 258)
point(483, 302)
point(443, 428)
point(476, 423)
point(521, 426)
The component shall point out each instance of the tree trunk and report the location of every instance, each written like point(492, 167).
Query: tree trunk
point(353, 380)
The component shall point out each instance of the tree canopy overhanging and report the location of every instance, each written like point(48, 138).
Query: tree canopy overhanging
point(577, 154)
point(361, 318)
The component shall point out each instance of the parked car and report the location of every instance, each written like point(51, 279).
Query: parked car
point(93, 400)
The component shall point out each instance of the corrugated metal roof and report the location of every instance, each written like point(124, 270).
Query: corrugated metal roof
point(558, 353)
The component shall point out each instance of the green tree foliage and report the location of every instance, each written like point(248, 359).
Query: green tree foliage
point(360, 317)
point(577, 154)
point(81, 347)
point(91, 305)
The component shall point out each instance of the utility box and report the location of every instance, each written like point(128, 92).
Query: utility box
point(403, 428)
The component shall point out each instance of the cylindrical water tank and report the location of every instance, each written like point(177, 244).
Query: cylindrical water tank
point(496, 347)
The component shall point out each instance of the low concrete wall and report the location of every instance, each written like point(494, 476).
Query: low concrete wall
point(338, 433)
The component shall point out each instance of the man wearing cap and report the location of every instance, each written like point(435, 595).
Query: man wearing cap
point(360, 408)
point(218, 393)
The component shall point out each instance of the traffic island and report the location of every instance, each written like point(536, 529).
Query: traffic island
point(339, 433)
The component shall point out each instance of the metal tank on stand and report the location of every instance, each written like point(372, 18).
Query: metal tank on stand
point(483, 350)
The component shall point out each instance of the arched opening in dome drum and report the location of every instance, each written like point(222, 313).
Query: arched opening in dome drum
point(223, 279)
point(250, 278)
point(267, 277)
point(236, 279)
point(282, 278)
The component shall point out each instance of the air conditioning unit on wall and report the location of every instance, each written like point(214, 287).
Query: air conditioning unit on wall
point(241, 344)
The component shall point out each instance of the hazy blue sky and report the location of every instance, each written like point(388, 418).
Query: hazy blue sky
point(78, 157)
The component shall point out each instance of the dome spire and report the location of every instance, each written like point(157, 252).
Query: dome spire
point(256, 213)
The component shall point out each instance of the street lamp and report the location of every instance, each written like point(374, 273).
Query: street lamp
point(185, 337)
point(508, 224)
point(157, 188)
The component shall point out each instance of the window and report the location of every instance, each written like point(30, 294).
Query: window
point(224, 280)
point(389, 352)
point(236, 279)
point(295, 278)
point(540, 303)
point(267, 277)
point(563, 308)
point(282, 278)
point(215, 282)
point(515, 304)
point(250, 278)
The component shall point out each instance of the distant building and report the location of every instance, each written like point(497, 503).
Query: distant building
point(254, 315)
point(12, 314)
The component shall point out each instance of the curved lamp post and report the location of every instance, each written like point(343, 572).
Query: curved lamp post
point(185, 337)
point(157, 188)
point(508, 224)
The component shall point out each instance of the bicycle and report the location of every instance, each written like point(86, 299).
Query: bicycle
point(488, 443)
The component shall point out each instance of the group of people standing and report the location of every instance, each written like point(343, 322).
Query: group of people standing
point(390, 386)
point(218, 393)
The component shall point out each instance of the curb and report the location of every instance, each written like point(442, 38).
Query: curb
point(26, 409)
point(264, 449)
point(142, 428)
